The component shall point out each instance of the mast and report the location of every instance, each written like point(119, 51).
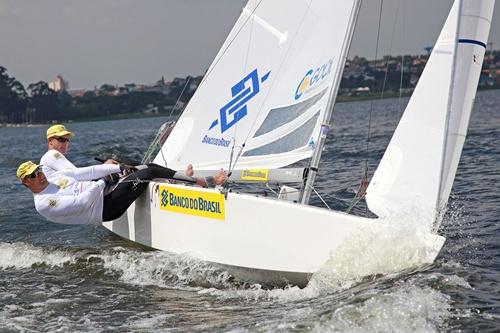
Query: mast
point(439, 202)
point(325, 126)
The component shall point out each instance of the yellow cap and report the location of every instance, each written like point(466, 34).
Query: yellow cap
point(26, 169)
point(58, 130)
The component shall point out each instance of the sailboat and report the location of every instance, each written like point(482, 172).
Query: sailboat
point(264, 104)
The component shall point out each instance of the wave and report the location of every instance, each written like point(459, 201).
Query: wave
point(162, 269)
point(21, 255)
point(406, 309)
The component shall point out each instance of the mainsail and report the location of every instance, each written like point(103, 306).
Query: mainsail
point(263, 99)
point(417, 170)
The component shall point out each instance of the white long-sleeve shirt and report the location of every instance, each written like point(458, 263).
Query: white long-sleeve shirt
point(53, 161)
point(70, 201)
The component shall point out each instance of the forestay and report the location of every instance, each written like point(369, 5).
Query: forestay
point(267, 89)
point(417, 170)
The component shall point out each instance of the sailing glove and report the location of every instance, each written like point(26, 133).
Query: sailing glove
point(127, 169)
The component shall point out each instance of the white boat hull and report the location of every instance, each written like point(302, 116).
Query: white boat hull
point(258, 239)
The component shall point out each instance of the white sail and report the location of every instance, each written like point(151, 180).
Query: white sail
point(267, 90)
point(417, 170)
point(473, 35)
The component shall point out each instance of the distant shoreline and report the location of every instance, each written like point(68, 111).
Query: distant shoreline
point(340, 99)
point(387, 95)
point(90, 119)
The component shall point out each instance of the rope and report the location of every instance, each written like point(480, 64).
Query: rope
point(390, 52)
point(402, 62)
point(161, 132)
point(371, 103)
point(235, 129)
point(271, 189)
point(360, 194)
point(320, 197)
point(364, 180)
point(179, 98)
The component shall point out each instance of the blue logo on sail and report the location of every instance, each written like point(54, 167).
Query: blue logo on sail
point(236, 108)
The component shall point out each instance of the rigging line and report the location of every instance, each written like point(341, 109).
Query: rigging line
point(152, 147)
point(163, 156)
point(252, 126)
point(231, 165)
point(371, 102)
point(390, 52)
point(231, 159)
point(237, 157)
point(400, 97)
point(249, 44)
point(346, 55)
point(179, 98)
point(360, 194)
point(271, 189)
point(216, 61)
point(245, 66)
point(364, 180)
point(402, 62)
point(170, 115)
point(320, 197)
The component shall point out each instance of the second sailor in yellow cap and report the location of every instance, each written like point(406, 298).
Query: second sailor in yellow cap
point(58, 138)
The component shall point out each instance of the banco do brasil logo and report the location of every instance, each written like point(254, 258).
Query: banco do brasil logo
point(236, 109)
point(164, 198)
point(192, 202)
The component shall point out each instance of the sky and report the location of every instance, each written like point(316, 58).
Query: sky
point(93, 42)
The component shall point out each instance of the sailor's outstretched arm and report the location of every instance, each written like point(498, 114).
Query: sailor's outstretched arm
point(157, 171)
point(219, 178)
point(201, 181)
point(92, 172)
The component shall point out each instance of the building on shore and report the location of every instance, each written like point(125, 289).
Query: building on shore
point(58, 84)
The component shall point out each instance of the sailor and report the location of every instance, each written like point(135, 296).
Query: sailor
point(58, 138)
point(83, 202)
point(54, 159)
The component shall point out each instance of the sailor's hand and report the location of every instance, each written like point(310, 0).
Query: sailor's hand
point(189, 170)
point(111, 179)
point(110, 161)
point(220, 177)
point(127, 169)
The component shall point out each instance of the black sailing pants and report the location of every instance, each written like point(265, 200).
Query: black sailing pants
point(117, 202)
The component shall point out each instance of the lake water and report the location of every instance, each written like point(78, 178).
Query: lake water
point(85, 279)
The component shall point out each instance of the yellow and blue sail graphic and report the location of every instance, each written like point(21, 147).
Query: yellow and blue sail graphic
point(192, 202)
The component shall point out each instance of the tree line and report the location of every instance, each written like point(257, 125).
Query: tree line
point(19, 104)
point(39, 104)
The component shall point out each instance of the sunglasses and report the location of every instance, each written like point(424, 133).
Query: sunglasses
point(61, 139)
point(34, 173)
